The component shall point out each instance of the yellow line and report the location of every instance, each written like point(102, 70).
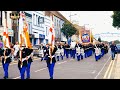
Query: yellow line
point(111, 69)
point(107, 70)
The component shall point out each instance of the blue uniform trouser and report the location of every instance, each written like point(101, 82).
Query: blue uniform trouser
point(102, 53)
point(67, 53)
point(85, 54)
point(28, 69)
point(113, 54)
point(70, 52)
point(97, 57)
point(5, 67)
point(64, 52)
point(78, 57)
point(22, 72)
point(51, 69)
point(81, 56)
point(73, 53)
point(58, 58)
point(61, 57)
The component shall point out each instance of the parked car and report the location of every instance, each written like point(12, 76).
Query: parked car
point(118, 48)
point(36, 50)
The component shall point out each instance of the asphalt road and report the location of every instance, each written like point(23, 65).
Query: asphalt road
point(70, 68)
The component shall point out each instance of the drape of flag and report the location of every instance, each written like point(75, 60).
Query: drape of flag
point(51, 34)
point(24, 38)
point(6, 40)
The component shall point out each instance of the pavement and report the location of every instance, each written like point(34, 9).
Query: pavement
point(117, 68)
point(113, 70)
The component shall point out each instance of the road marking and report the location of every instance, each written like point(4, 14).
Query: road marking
point(107, 70)
point(40, 69)
point(111, 69)
point(102, 68)
point(62, 62)
point(16, 77)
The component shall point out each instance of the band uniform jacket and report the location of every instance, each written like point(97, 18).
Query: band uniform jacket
point(24, 55)
point(29, 52)
point(53, 54)
point(7, 55)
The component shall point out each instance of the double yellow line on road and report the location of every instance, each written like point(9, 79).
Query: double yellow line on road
point(110, 69)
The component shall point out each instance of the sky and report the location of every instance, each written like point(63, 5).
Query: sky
point(98, 21)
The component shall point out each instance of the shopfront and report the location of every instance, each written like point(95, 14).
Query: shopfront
point(41, 38)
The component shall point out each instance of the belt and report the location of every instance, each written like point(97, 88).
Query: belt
point(52, 56)
point(23, 59)
point(6, 57)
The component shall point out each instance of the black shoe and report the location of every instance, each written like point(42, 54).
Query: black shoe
point(27, 78)
point(51, 78)
point(5, 77)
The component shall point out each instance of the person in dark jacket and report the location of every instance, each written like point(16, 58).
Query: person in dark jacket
point(6, 60)
point(22, 65)
point(113, 49)
point(51, 56)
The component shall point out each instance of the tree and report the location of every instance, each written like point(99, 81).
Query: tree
point(116, 41)
point(99, 39)
point(116, 19)
point(68, 30)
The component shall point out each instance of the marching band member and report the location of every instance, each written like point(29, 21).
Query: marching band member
point(61, 53)
point(81, 52)
point(22, 63)
point(78, 52)
point(6, 60)
point(51, 56)
point(67, 50)
point(97, 52)
point(73, 49)
point(57, 53)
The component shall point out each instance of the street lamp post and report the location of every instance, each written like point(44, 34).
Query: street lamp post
point(15, 22)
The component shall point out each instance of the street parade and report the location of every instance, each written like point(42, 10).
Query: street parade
point(77, 49)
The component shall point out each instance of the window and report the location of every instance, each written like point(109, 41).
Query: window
point(46, 31)
point(34, 19)
point(55, 22)
point(29, 28)
point(37, 20)
point(0, 18)
point(5, 15)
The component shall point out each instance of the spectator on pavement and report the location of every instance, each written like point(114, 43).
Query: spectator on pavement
point(113, 50)
point(16, 48)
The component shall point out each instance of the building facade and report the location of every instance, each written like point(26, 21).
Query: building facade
point(38, 27)
point(47, 27)
point(3, 15)
point(58, 20)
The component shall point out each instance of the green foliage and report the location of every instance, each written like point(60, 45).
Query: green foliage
point(116, 41)
point(99, 39)
point(68, 30)
point(116, 19)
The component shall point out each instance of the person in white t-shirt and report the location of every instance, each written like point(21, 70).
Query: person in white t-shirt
point(16, 47)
